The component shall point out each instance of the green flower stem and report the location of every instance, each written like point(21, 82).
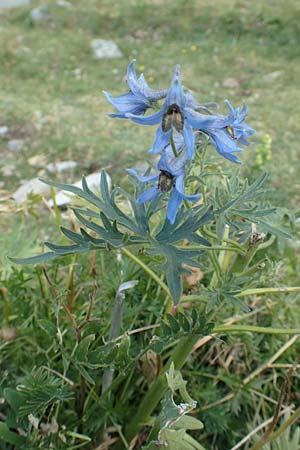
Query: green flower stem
point(233, 243)
point(254, 329)
point(267, 290)
point(179, 356)
point(147, 270)
point(173, 146)
point(257, 291)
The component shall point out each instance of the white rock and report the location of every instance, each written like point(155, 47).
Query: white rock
point(93, 182)
point(15, 145)
point(39, 14)
point(231, 83)
point(35, 186)
point(64, 4)
point(7, 4)
point(61, 166)
point(4, 131)
point(105, 49)
point(272, 76)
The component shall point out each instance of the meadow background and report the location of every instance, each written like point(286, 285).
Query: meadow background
point(51, 98)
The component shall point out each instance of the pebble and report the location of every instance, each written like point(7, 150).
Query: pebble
point(105, 49)
point(39, 14)
point(272, 76)
point(34, 185)
point(93, 181)
point(7, 4)
point(4, 131)
point(231, 83)
point(64, 3)
point(61, 166)
point(15, 145)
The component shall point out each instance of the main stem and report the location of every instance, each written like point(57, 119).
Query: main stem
point(155, 393)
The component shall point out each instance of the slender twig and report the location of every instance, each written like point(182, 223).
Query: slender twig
point(54, 372)
point(283, 393)
point(292, 419)
point(255, 373)
point(256, 430)
point(147, 270)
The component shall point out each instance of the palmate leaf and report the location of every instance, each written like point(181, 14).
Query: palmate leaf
point(186, 225)
point(236, 207)
point(173, 266)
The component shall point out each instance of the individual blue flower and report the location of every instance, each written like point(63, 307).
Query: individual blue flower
point(138, 99)
point(171, 118)
point(225, 132)
point(169, 179)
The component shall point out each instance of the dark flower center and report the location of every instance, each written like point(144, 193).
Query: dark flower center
point(230, 131)
point(173, 117)
point(165, 181)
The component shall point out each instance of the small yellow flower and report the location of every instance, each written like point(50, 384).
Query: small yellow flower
point(142, 67)
point(151, 79)
point(194, 48)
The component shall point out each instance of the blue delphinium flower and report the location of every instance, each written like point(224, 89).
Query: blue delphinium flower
point(225, 132)
point(138, 99)
point(171, 118)
point(169, 179)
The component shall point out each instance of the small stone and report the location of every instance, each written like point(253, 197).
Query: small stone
point(39, 14)
point(37, 161)
point(272, 76)
point(64, 4)
point(93, 181)
point(61, 166)
point(231, 83)
point(34, 186)
point(7, 4)
point(105, 49)
point(4, 131)
point(15, 145)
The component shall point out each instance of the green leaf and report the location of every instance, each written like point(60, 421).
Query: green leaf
point(237, 302)
point(75, 237)
point(174, 325)
point(10, 437)
point(183, 321)
point(85, 374)
point(61, 250)
point(80, 354)
point(48, 327)
point(34, 259)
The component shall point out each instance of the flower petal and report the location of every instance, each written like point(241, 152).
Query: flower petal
point(175, 93)
point(149, 195)
point(142, 178)
point(189, 139)
point(173, 205)
point(225, 145)
point(153, 119)
point(139, 86)
point(203, 122)
point(179, 186)
point(126, 103)
point(161, 140)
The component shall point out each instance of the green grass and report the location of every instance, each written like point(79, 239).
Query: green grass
point(63, 114)
point(51, 97)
